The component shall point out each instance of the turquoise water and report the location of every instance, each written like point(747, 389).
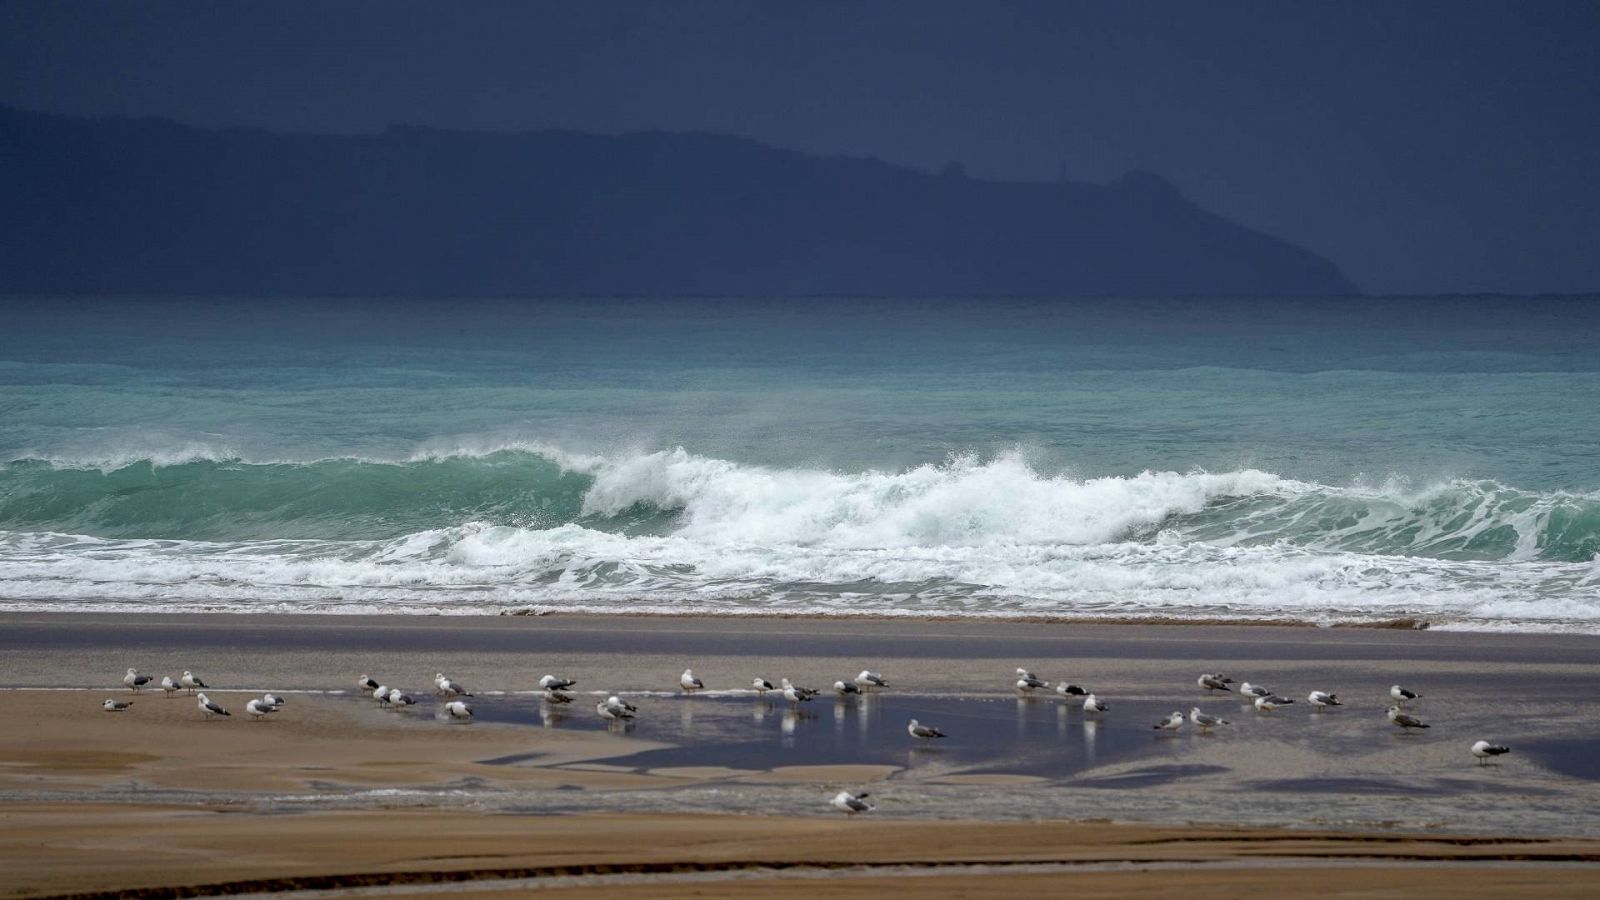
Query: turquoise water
point(1317, 460)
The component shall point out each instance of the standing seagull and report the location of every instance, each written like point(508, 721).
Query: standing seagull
point(845, 688)
point(762, 685)
point(552, 683)
point(1321, 699)
point(1214, 682)
point(689, 683)
point(1402, 696)
point(366, 684)
point(259, 709)
point(450, 688)
point(1483, 750)
point(870, 681)
point(113, 705)
point(381, 694)
point(1270, 702)
point(1093, 704)
point(169, 686)
point(190, 681)
point(1027, 681)
point(273, 700)
point(398, 697)
point(612, 713)
point(1070, 690)
point(617, 704)
point(1170, 723)
point(850, 804)
point(134, 680)
point(925, 732)
point(1253, 691)
point(1205, 721)
point(210, 708)
point(458, 709)
point(1403, 720)
point(795, 693)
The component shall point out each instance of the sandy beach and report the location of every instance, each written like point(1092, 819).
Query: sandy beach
point(725, 793)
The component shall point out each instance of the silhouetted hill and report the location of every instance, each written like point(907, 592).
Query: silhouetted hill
point(150, 206)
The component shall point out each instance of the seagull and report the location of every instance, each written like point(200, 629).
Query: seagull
point(689, 683)
point(211, 708)
point(1170, 723)
point(1092, 704)
point(613, 713)
point(259, 708)
point(381, 694)
point(451, 688)
point(189, 681)
point(926, 732)
point(171, 687)
point(551, 695)
point(120, 705)
point(1404, 720)
point(1070, 690)
point(134, 680)
point(1401, 695)
point(1213, 682)
point(1323, 698)
point(869, 680)
point(794, 693)
point(1252, 690)
point(762, 685)
point(1483, 750)
point(366, 684)
point(551, 682)
point(1027, 681)
point(850, 804)
point(617, 704)
point(272, 700)
point(1270, 702)
point(845, 688)
point(458, 709)
point(1205, 721)
point(398, 697)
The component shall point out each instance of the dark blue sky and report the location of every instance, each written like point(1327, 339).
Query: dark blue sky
point(1424, 147)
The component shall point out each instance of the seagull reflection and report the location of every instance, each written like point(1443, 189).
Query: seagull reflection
point(1091, 733)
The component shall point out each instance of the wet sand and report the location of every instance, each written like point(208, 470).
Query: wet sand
point(334, 786)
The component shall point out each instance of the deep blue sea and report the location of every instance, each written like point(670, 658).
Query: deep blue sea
point(1314, 460)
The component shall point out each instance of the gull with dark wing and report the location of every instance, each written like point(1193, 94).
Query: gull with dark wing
point(1253, 691)
point(273, 700)
point(1170, 723)
point(1213, 682)
point(1070, 690)
point(113, 705)
point(870, 681)
point(1322, 699)
point(794, 693)
point(398, 697)
point(170, 687)
point(366, 684)
point(1404, 720)
point(850, 804)
point(551, 682)
point(191, 681)
point(925, 732)
point(1093, 704)
point(259, 709)
point(1027, 682)
point(210, 707)
point(1402, 696)
point(1205, 721)
point(134, 680)
point(689, 683)
point(761, 685)
point(846, 688)
point(381, 694)
point(619, 704)
point(1483, 750)
point(449, 687)
point(1271, 702)
point(613, 712)
point(458, 709)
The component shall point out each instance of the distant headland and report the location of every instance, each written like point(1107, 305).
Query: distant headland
point(149, 206)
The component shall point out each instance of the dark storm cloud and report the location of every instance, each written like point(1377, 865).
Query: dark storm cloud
point(1424, 147)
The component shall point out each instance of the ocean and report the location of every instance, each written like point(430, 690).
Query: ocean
point(1322, 461)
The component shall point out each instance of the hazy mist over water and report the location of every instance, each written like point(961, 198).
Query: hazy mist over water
point(1321, 460)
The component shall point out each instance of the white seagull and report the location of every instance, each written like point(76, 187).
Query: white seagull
point(381, 694)
point(259, 708)
point(1270, 703)
point(1070, 690)
point(119, 705)
point(273, 700)
point(1170, 723)
point(845, 688)
point(458, 709)
point(1483, 750)
point(926, 732)
point(869, 680)
point(1323, 698)
point(191, 682)
point(1404, 720)
point(1205, 721)
point(1092, 704)
point(850, 804)
point(450, 688)
point(1253, 690)
point(551, 682)
point(398, 697)
point(1027, 681)
point(794, 693)
point(134, 680)
point(612, 713)
point(689, 683)
point(1401, 695)
point(169, 686)
point(366, 684)
point(618, 704)
point(762, 685)
point(211, 708)
point(1214, 682)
